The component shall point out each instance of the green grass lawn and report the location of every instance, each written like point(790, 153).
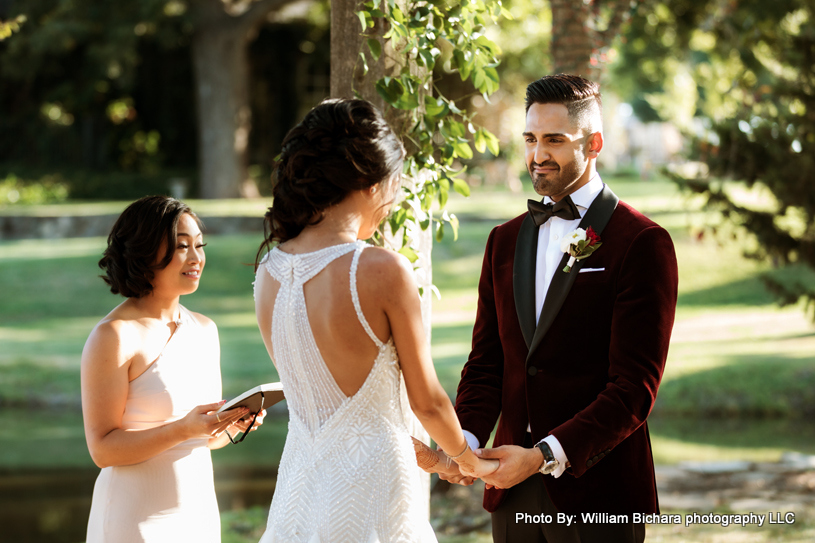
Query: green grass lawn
point(734, 355)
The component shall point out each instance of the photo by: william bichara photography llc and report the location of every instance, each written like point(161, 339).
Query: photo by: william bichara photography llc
point(681, 519)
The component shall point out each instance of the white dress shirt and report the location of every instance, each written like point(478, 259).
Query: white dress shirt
point(548, 259)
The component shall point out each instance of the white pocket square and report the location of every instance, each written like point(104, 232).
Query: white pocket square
point(587, 270)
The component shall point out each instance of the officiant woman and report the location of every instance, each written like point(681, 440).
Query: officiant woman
point(151, 385)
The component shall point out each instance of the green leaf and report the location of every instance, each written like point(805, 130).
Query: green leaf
point(409, 253)
point(480, 80)
point(480, 141)
point(361, 15)
point(397, 15)
point(439, 231)
point(454, 223)
point(400, 29)
point(435, 109)
point(443, 196)
point(457, 129)
point(391, 90)
point(364, 63)
point(463, 149)
point(492, 142)
point(460, 186)
point(397, 219)
point(427, 59)
point(486, 43)
point(492, 80)
point(408, 100)
point(463, 64)
point(375, 47)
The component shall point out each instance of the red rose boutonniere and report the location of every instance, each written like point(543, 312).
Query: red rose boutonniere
point(578, 245)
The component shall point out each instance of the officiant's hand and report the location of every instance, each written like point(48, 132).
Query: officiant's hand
point(516, 465)
point(203, 421)
point(243, 424)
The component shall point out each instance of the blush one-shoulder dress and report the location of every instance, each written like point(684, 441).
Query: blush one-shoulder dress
point(170, 497)
point(348, 472)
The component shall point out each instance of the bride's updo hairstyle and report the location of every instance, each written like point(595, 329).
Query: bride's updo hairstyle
point(340, 146)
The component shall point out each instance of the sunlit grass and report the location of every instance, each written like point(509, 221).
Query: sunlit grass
point(727, 329)
point(214, 208)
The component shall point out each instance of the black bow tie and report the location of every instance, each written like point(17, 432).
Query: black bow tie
point(565, 209)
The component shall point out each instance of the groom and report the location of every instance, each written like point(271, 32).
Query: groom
point(569, 361)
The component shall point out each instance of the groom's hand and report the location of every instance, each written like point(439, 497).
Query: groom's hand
point(516, 464)
point(457, 478)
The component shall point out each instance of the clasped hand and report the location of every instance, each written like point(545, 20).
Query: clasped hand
point(438, 462)
point(515, 464)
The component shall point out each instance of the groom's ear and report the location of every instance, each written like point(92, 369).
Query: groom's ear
point(595, 145)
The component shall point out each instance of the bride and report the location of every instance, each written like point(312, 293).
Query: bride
point(341, 320)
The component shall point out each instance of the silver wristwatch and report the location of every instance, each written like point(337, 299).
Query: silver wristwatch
point(550, 463)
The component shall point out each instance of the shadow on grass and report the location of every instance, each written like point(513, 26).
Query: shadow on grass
point(30, 385)
point(743, 292)
point(747, 386)
point(737, 433)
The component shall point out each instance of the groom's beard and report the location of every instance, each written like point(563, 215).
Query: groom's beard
point(554, 182)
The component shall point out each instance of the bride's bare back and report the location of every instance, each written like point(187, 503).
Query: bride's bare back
point(344, 345)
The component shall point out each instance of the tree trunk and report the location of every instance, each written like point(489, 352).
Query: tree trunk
point(582, 31)
point(219, 50)
point(572, 42)
point(223, 111)
point(346, 44)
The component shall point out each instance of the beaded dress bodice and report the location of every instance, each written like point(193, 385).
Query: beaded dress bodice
point(348, 471)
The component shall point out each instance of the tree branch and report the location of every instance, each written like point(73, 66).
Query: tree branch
point(258, 10)
point(621, 10)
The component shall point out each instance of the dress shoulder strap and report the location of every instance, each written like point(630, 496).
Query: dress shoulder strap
point(355, 296)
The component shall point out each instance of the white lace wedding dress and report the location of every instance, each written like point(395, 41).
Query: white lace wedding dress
point(348, 472)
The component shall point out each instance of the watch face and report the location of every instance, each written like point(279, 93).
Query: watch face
point(549, 467)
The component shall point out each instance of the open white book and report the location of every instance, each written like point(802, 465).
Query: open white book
point(260, 397)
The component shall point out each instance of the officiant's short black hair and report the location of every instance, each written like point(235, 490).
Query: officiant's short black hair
point(580, 96)
point(132, 254)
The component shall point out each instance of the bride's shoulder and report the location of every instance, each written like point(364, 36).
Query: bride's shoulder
point(385, 270)
point(380, 259)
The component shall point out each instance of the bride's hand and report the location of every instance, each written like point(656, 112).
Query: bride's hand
point(433, 461)
point(477, 468)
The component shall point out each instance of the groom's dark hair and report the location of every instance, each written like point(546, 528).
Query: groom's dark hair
point(580, 96)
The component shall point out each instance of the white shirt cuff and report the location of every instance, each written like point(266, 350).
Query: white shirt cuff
point(472, 441)
point(559, 453)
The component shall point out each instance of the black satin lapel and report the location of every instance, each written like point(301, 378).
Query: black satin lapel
point(523, 277)
point(597, 216)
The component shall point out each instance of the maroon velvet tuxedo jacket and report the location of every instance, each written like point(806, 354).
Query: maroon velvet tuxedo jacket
point(589, 372)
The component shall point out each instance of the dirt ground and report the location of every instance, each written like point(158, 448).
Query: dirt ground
point(705, 496)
